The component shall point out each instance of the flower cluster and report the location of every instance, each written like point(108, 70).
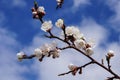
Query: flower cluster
point(47, 25)
point(47, 50)
point(72, 33)
point(38, 12)
point(82, 44)
point(75, 36)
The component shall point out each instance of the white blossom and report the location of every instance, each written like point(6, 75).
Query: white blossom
point(91, 42)
point(110, 52)
point(46, 26)
point(45, 49)
point(53, 50)
point(58, 1)
point(34, 12)
point(20, 55)
point(72, 31)
point(59, 23)
point(41, 9)
point(56, 53)
point(38, 53)
point(89, 51)
point(79, 36)
point(69, 31)
point(72, 67)
point(80, 43)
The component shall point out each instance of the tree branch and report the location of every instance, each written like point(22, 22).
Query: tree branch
point(53, 36)
point(99, 64)
point(78, 68)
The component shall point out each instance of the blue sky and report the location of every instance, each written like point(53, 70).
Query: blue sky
point(96, 19)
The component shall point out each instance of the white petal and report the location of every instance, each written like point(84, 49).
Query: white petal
point(47, 25)
point(110, 52)
point(20, 54)
point(59, 23)
point(41, 9)
point(71, 67)
point(89, 51)
point(56, 53)
point(80, 43)
point(58, 0)
point(34, 12)
point(38, 53)
point(71, 30)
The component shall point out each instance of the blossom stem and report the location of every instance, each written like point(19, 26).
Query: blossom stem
point(77, 68)
point(65, 73)
point(65, 48)
point(41, 20)
point(86, 64)
point(65, 36)
point(29, 57)
point(53, 36)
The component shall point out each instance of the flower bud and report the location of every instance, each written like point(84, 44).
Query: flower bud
point(89, 51)
point(20, 55)
point(73, 68)
point(110, 53)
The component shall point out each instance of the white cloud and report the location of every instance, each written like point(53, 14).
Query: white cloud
point(14, 3)
point(78, 3)
point(94, 31)
point(9, 67)
point(115, 19)
point(20, 3)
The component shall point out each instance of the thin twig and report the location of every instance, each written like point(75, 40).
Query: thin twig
point(77, 68)
point(53, 36)
point(65, 73)
point(87, 64)
point(65, 48)
point(65, 36)
point(110, 71)
point(29, 57)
